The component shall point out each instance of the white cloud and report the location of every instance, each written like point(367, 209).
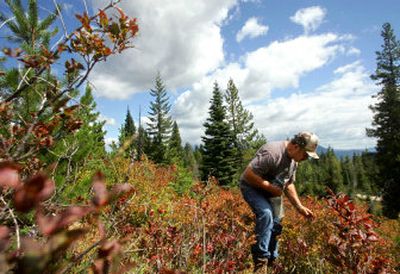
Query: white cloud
point(276, 66)
point(109, 121)
point(337, 112)
point(252, 28)
point(310, 18)
point(180, 39)
point(353, 51)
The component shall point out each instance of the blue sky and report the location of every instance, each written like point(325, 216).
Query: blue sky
point(297, 64)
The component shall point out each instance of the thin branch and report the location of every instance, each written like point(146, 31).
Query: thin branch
point(24, 77)
point(15, 222)
point(61, 18)
point(33, 79)
point(58, 42)
point(77, 259)
point(86, 8)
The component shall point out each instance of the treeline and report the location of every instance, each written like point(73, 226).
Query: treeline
point(351, 175)
point(229, 141)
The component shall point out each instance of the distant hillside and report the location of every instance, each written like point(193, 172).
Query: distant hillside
point(341, 153)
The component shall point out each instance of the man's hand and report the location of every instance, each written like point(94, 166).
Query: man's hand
point(306, 212)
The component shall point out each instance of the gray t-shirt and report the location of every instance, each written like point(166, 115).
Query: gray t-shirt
point(272, 161)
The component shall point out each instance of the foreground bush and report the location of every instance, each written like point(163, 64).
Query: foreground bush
point(209, 229)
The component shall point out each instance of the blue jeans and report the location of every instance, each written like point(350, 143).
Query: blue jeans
point(267, 227)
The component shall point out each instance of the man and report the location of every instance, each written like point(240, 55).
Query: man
point(271, 173)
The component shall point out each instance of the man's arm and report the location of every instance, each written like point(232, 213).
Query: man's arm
point(254, 180)
point(291, 193)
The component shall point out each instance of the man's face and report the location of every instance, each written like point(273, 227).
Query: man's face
point(299, 154)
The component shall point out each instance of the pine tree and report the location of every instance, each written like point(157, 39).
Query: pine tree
point(30, 33)
point(364, 185)
point(189, 160)
point(386, 120)
point(175, 151)
point(27, 29)
point(349, 174)
point(143, 143)
point(218, 149)
point(241, 123)
point(72, 152)
point(332, 171)
point(159, 127)
point(127, 138)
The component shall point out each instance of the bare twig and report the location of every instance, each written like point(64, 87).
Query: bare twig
point(77, 259)
point(86, 8)
point(15, 222)
point(61, 18)
point(23, 80)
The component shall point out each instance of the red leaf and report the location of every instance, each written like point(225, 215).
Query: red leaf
point(4, 237)
point(36, 189)
point(49, 225)
point(103, 18)
point(101, 195)
point(121, 13)
point(85, 21)
point(9, 175)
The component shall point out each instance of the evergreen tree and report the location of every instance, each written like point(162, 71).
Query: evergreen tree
point(127, 138)
point(159, 127)
point(218, 149)
point(349, 174)
point(27, 29)
point(305, 174)
point(30, 33)
point(189, 160)
point(386, 120)
point(143, 143)
point(364, 185)
point(241, 123)
point(175, 151)
point(371, 169)
point(72, 152)
point(332, 171)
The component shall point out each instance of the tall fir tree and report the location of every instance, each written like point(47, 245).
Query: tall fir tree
point(127, 138)
point(189, 160)
point(331, 172)
point(363, 183)
point(175, 150)
point(218, 149)
point(349, 174)
point(386, 120)
point(241, 123)
point(159, 127)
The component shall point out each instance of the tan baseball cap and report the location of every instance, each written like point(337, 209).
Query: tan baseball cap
point(310, 143)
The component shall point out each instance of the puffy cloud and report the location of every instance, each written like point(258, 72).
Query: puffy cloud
point(278, 65)
point(252, 28)
point(180, 39)
point(337, 111)
point(109, 121)
point(281, 64)
point(310, 18)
